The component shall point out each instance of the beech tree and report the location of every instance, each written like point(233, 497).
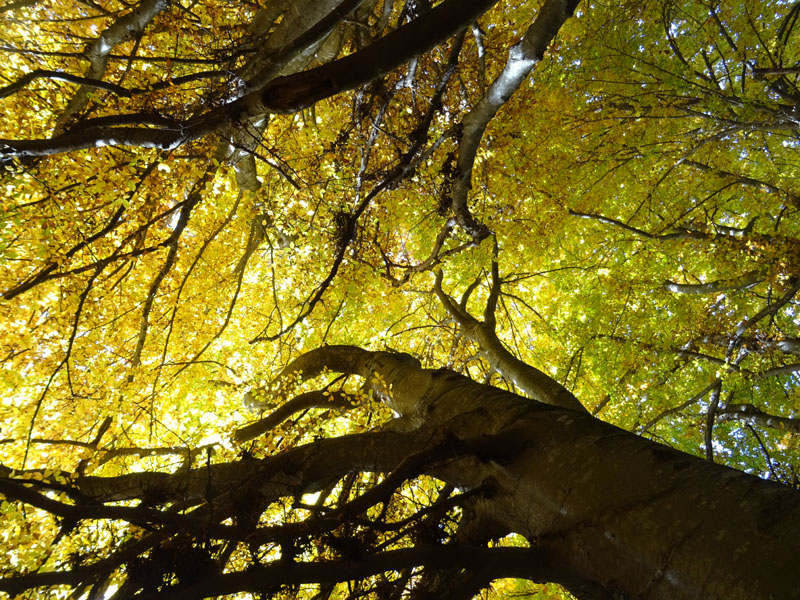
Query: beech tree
point(399, 298)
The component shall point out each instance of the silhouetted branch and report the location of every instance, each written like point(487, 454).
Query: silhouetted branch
point(60, 76)
point(313, 399)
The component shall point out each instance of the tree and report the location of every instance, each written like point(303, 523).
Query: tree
point(215, 208)
point(583, 490)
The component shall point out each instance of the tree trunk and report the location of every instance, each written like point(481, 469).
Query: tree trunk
point(619, 513)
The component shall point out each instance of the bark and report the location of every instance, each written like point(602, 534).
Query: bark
point(314, 399)
point(296, 38)
point(607, 514)
point(306, 468)
point(161, 139)
point(126, 27)
point(613, 510)
point(508, 562)
point(287, 49)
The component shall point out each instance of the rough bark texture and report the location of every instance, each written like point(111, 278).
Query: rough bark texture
point(755, 416)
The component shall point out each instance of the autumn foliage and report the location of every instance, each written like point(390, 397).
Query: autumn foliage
point(594, 205)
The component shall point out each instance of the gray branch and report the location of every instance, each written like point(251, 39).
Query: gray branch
point(522, 58)
point(124, 28)
point(528, 378)
point(739, 283)
point(748, 413)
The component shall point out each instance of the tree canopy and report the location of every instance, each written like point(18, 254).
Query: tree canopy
point(232, 231)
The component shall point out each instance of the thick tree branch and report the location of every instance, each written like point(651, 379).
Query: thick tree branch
point(303, 469)
point(753, 415)
point(125, 27)
point(98, 137)
point(531, 380)
point(278, 54)
point(525, 563)
point(521, 60)
point(313, 399)
point(294, 92)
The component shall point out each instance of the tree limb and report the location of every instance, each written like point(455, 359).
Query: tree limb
point(753, 415)
point(502, 562)
point(528, 378)
point(521, 60)
point(742, 282)
point(125, 27)
point(292, 93)
point(313, 399)
point(20, 83)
